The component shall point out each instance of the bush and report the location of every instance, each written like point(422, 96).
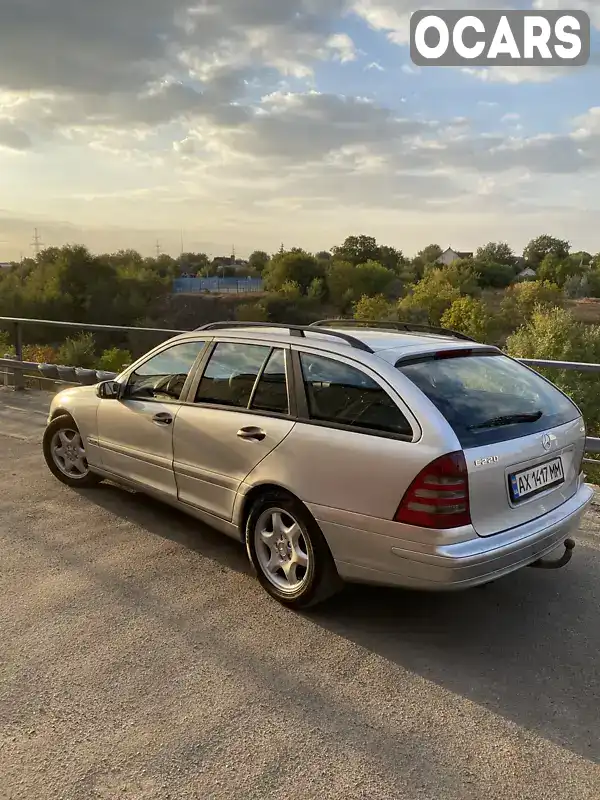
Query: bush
point(347, 284)
point(114, 360)
point(375, 308)
point(317, 290)
point(297, 266)
point(291, 290)
point(429, 298)
point(40, 353)
point(79, 351)
point(522, 299)
point(469, 316)
point(554, 334)
point(251, 312)
point(6, 345)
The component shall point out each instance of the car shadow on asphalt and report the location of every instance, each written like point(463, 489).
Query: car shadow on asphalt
point(525, 647)
point(170, 523)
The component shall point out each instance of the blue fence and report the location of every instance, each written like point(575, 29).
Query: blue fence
point(217, 285)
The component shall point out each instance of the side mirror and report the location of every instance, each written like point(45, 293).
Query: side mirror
point(109, 390)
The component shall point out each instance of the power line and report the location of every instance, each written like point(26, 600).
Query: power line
point(36, 243)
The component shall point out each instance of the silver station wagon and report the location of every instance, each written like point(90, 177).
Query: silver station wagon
point(389, 454)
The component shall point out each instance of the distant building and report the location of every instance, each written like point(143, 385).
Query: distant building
point(5, 264)
point(450, 255)
point(526, 274)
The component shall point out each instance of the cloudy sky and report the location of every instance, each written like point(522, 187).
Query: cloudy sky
point(256, 122)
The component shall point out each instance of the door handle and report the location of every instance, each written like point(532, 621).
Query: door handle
point(251, 434)
point(163, 418)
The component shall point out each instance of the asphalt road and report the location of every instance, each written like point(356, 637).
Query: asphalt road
point(139, 658)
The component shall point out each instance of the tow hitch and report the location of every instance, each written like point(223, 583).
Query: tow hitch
point(556, 563)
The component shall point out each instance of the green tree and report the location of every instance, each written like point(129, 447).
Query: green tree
point(375, 308)
point(258, 261)
point(559, 270)
point(576, 287)
point(393, 259)
point(462, 274)
point(291, 290)
point(193, 263)
point(494, 275)
point(347, 284)
point(298, 266)
point(124, 258)
point(469, 316)
point(428, 255)
point(554, 334)
point(357, 250)
point(431, 296)
point(593, 280)
point(541, 246)
point(339, 280)
point(522, 299)
point(317, 290)
point(496, 253)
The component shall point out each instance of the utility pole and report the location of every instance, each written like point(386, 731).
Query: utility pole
point(36, 243)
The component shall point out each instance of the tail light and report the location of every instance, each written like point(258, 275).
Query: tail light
point(439, 495)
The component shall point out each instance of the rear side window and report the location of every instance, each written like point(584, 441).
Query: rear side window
point(231, 373)
point(270, 393)
point(245, 376)
point(344, 395)
point(489, 398)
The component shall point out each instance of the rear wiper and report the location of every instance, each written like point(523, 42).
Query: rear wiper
point(508, 419)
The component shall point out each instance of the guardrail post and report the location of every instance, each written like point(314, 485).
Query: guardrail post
point(19, 378)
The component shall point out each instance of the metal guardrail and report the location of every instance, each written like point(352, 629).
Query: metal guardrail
point(21, 368)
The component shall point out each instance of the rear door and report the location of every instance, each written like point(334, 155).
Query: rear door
point(240, 410)
point(523, 440)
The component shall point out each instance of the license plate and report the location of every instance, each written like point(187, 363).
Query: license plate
point(536, 479)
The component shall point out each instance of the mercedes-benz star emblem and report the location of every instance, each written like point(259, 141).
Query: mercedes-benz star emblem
point(546, 442)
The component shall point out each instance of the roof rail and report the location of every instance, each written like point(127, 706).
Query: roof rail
point(398, 327)
point(294, 330)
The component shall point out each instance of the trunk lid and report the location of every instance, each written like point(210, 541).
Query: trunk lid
point(515, 481)
point(522, 438)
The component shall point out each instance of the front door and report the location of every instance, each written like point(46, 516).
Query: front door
point(135, 433)
point(241, 412)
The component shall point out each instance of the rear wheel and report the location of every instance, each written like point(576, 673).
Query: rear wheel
point(289, 553)
point(64, 452)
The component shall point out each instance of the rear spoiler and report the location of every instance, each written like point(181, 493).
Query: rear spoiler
point(450, 352)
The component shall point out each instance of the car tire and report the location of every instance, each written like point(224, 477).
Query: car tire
point(63, 431)
point(297, 540)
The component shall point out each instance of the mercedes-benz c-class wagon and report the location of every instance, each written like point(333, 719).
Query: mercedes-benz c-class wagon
point(398, 455)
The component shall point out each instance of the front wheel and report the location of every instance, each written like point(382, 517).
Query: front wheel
point(64, 452)
point(289, 553)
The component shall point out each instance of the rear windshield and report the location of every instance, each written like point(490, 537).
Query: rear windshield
point(489, 398)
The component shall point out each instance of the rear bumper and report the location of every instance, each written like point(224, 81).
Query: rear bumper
point(395, 562)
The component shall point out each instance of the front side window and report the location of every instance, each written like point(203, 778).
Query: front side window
point(232, 373)
point(343, 395)
point(163, 376)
